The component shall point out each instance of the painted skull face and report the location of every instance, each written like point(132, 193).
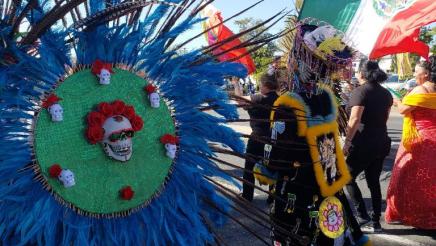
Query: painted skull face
point(171, 150)
point(105, 77)
point(117, 140)
point(154, 100)
point(67, 178)
point(57, 112)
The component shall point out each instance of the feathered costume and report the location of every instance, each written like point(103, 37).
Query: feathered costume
point(304, 154)
point(147, 200)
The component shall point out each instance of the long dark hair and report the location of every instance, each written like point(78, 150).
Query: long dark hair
point(371, 72)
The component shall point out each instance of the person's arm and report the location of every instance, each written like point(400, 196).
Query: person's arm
point(353, 125)
point(404, 108)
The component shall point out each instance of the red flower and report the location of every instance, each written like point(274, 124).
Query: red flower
point(105, 108)
point(95, 134)
point(127, 193)
point(50, 100)
point(137, 123)
point(168, 138)
point(96, 119)
point(55, 170)
point(118, 107)
point(129, 112)
point(150, 89)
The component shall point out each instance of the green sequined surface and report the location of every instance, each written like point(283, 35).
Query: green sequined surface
point(99, 178)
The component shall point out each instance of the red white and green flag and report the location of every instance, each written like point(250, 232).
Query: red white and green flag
point(376, 27)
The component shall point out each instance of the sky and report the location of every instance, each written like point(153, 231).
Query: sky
point(263, 11)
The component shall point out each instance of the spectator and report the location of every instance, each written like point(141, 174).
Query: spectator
point(367, 142)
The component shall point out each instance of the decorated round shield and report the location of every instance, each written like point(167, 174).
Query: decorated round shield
point(331, 217)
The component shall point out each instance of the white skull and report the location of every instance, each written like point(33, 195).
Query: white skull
point(154, 100)
point(117, 140)
point(105, 77)
point(171, 150)
point(57, 112)
point(67, 178)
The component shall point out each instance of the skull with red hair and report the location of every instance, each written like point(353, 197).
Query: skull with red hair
point(114, 124)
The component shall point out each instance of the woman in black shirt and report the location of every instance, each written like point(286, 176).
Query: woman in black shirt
point(367, 142)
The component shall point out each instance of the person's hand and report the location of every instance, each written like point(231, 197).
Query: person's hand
point(396, 101)
point(346, 148)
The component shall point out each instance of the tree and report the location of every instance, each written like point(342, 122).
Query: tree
point(263, 56)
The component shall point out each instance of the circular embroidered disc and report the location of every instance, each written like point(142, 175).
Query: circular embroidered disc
point(99, 178)
point(331, 217)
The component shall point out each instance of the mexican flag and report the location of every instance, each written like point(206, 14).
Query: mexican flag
point(376, 27)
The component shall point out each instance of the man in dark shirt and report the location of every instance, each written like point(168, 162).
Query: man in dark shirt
point(258, 109)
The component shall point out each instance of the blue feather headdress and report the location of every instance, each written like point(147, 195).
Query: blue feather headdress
point(30, 68)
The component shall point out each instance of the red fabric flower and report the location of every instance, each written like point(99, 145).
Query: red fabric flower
point(129, 112)
point(150, 89)
point(168, 138)
point(55, 170)
point(96, 119)
point(105, 108)
point(137, 123)
point(95, 134)
point(98, 65)
point(118, 107)
point(126, 193)
point(50, 100)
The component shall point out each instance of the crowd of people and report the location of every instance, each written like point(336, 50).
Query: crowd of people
point(411, 196)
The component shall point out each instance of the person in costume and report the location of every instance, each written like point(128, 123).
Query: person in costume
point(306, 157)
point(411, 197)
point(367, 142)
point(258, 109)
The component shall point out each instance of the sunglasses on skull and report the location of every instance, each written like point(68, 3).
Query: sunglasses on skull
point(121, 135)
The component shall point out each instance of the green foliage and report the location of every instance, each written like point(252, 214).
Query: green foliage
point(263, 56)
point(426, 36)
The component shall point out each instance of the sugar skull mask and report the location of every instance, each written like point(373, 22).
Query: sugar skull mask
point(57, 112)
point(104, 77)
point(103, 71)
point(153, 96)
point(171, 150)
point(51, 103)
point(117, 141)
point(154, 100)
point(113, 125)
point(67, 178)
point(170, 143)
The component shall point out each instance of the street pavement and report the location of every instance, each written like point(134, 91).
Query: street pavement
point(393, 235)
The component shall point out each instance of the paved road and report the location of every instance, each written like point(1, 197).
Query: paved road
point(393, 235)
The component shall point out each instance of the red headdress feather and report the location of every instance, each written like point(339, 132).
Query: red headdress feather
point(98, 65)
point(169, 139)
point(50, 100)
point(150, 88)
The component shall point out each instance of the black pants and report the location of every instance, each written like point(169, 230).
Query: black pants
point(372, 175)
point(367, 156)
point(254, 148)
